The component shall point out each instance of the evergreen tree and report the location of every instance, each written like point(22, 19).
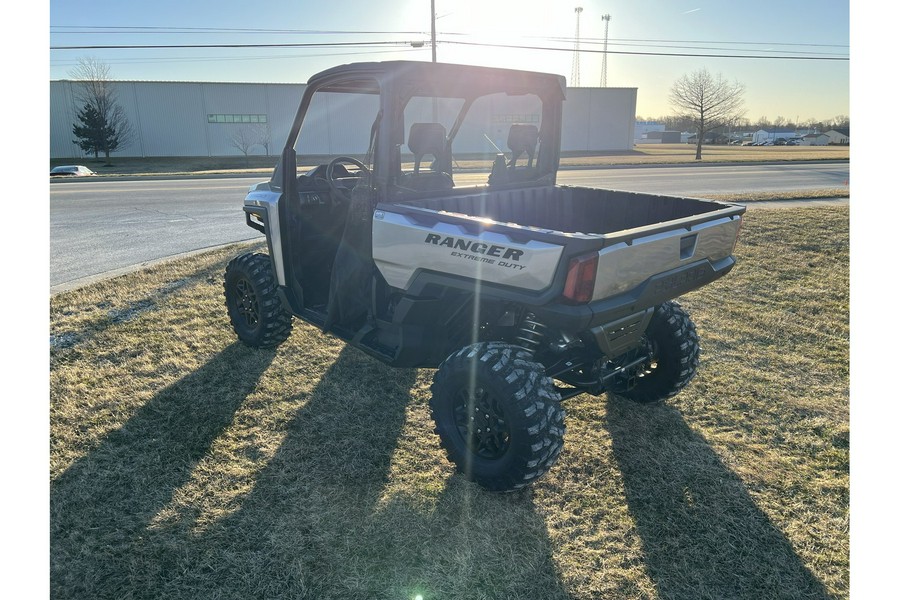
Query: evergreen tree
point(105, 127)
point(90, 133)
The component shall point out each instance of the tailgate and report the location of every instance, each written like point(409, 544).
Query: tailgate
point(633, 258)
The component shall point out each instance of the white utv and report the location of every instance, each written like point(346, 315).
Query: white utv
point(520, 292)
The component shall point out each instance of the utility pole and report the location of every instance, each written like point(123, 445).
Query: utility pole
point(576, 59)
point(606, 18)
point(433, 35)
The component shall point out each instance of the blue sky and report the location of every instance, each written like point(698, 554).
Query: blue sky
point(789, 88)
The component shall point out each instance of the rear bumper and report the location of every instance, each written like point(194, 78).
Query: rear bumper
point(652, 292)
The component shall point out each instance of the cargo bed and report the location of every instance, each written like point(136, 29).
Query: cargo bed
point(579, 210)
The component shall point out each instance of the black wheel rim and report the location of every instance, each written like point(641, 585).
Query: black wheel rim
point(481, 423)
point(246, 304)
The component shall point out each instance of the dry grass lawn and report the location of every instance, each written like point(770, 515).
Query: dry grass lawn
point(185, 465)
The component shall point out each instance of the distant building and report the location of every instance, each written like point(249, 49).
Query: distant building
point(839, 137)
point(642, 128)
point(770, 135)
point(200, 118)
point(710, 137)
point(814, 139)
point(662, 137)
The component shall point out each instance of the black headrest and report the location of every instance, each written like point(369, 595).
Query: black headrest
point(427, 138)
point(522, 138)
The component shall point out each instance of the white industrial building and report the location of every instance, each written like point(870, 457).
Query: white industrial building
point(770, 135)
point(838, 136)
point(642, 128)
point(200, 119)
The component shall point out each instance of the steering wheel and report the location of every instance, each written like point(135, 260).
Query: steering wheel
point(339, 190)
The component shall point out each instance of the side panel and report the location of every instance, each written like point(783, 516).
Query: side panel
point(401, 248)
point(268, 200)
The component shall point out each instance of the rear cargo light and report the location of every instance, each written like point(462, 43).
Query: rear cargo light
point(581, 277)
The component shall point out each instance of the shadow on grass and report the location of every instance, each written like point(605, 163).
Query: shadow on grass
point(703, 535)
point(100, 506)
point(315, 524)
point(62, 340)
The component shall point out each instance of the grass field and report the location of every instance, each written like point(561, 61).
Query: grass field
point(642, 154)
point(185, 465)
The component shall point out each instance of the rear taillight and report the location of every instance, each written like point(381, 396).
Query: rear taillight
point(581, 277)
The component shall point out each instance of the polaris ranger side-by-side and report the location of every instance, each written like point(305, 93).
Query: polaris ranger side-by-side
point(520, 292)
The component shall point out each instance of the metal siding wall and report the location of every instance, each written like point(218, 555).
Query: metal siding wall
point(611, 123)
point(191, 118)
point(576, 120)
point(599, 119)
point(338, 124)
point(350, 119)
point(314, 136)
point(62, 119)
point(170, 120)
point(282, 101)
point(230, 99)
point(166, 117)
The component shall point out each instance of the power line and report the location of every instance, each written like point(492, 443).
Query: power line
point(457, 42)
point(633, 53)
point(159, 30)
point(85, 29)
point(712, 42)
point(675, 46)
point(174, 59)
point(185, 46)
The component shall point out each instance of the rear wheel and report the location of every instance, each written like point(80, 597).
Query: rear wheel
point(255, 311)
point(672, 343)
point(498, 415)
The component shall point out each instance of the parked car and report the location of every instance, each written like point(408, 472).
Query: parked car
point(71, 171)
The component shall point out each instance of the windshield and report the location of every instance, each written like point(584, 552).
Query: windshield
point(336, 124)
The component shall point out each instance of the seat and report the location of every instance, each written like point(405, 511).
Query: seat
point(428, 139)
point(522, 139)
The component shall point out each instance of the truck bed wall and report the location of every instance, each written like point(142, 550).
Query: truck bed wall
point(570, 209)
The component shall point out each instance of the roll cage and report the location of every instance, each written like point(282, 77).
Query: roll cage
point(396, 83)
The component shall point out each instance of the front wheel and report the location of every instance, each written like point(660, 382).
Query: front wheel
point(254, 308)
point(674, 348)
point(498, 415)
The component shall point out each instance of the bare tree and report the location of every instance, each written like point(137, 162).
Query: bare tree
point(264, 136)
point(243, 139)
point(840, 122)
point(95, 91)
point(709, 102)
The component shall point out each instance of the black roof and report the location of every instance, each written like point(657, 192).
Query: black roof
point(439, 79)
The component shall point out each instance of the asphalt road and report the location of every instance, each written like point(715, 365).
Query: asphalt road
point(102, 227)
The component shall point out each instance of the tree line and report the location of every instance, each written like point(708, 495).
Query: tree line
point(684, 123)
